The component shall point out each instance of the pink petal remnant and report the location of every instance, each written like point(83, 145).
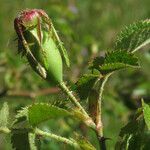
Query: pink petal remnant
point(29, 17)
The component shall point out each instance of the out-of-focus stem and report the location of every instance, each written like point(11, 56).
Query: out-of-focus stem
point(58, 138)
point(46, 134)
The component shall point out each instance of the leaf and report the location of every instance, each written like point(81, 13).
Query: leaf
point(85, 84)
point(115, 60)
point(146, 112)
point(131, 135)
point(21, 116)
point(135, 142)
point(132, 127)
point(4, 114)
point(121, 57)
point(40, 112)
point(98, 61)
point(134, 36)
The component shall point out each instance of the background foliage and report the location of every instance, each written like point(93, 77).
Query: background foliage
point(87, 28)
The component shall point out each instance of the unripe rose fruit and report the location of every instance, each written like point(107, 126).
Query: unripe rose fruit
point(37, 42)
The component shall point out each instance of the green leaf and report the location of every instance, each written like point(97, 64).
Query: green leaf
point(146, 112)
point(21, 116)
point(84, 85)
point(114, 60)
point(40, 112)
point(98, 61)
point(121, 57)
point(134, 36)
point(135, 142)
point(131, 135)
point(132, 127)
point(4, 115)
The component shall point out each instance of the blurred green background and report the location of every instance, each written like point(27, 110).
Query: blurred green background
point(87, 28)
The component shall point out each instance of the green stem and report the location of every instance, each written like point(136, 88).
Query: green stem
point(99, 124)
point(88, 121)
point(51, 135)
point(58, 138)
point(73, 98)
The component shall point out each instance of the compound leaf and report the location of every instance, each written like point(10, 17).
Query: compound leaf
point(114, 60)
point(134, 36)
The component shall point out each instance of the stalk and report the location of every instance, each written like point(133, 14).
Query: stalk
point(73, 99)
point(37, 131)
point(88, 120)
point(58, 138)
point(99, 125)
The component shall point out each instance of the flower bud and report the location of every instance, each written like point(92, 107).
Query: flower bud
point(39, 43)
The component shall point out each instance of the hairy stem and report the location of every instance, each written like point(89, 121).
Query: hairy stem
point(89, 122)
point(72, 98)
point(99, 124)
point(46, 134)
point(58, 138)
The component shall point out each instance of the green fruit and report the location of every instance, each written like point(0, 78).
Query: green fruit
point(39, 42)
point(46, 53)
